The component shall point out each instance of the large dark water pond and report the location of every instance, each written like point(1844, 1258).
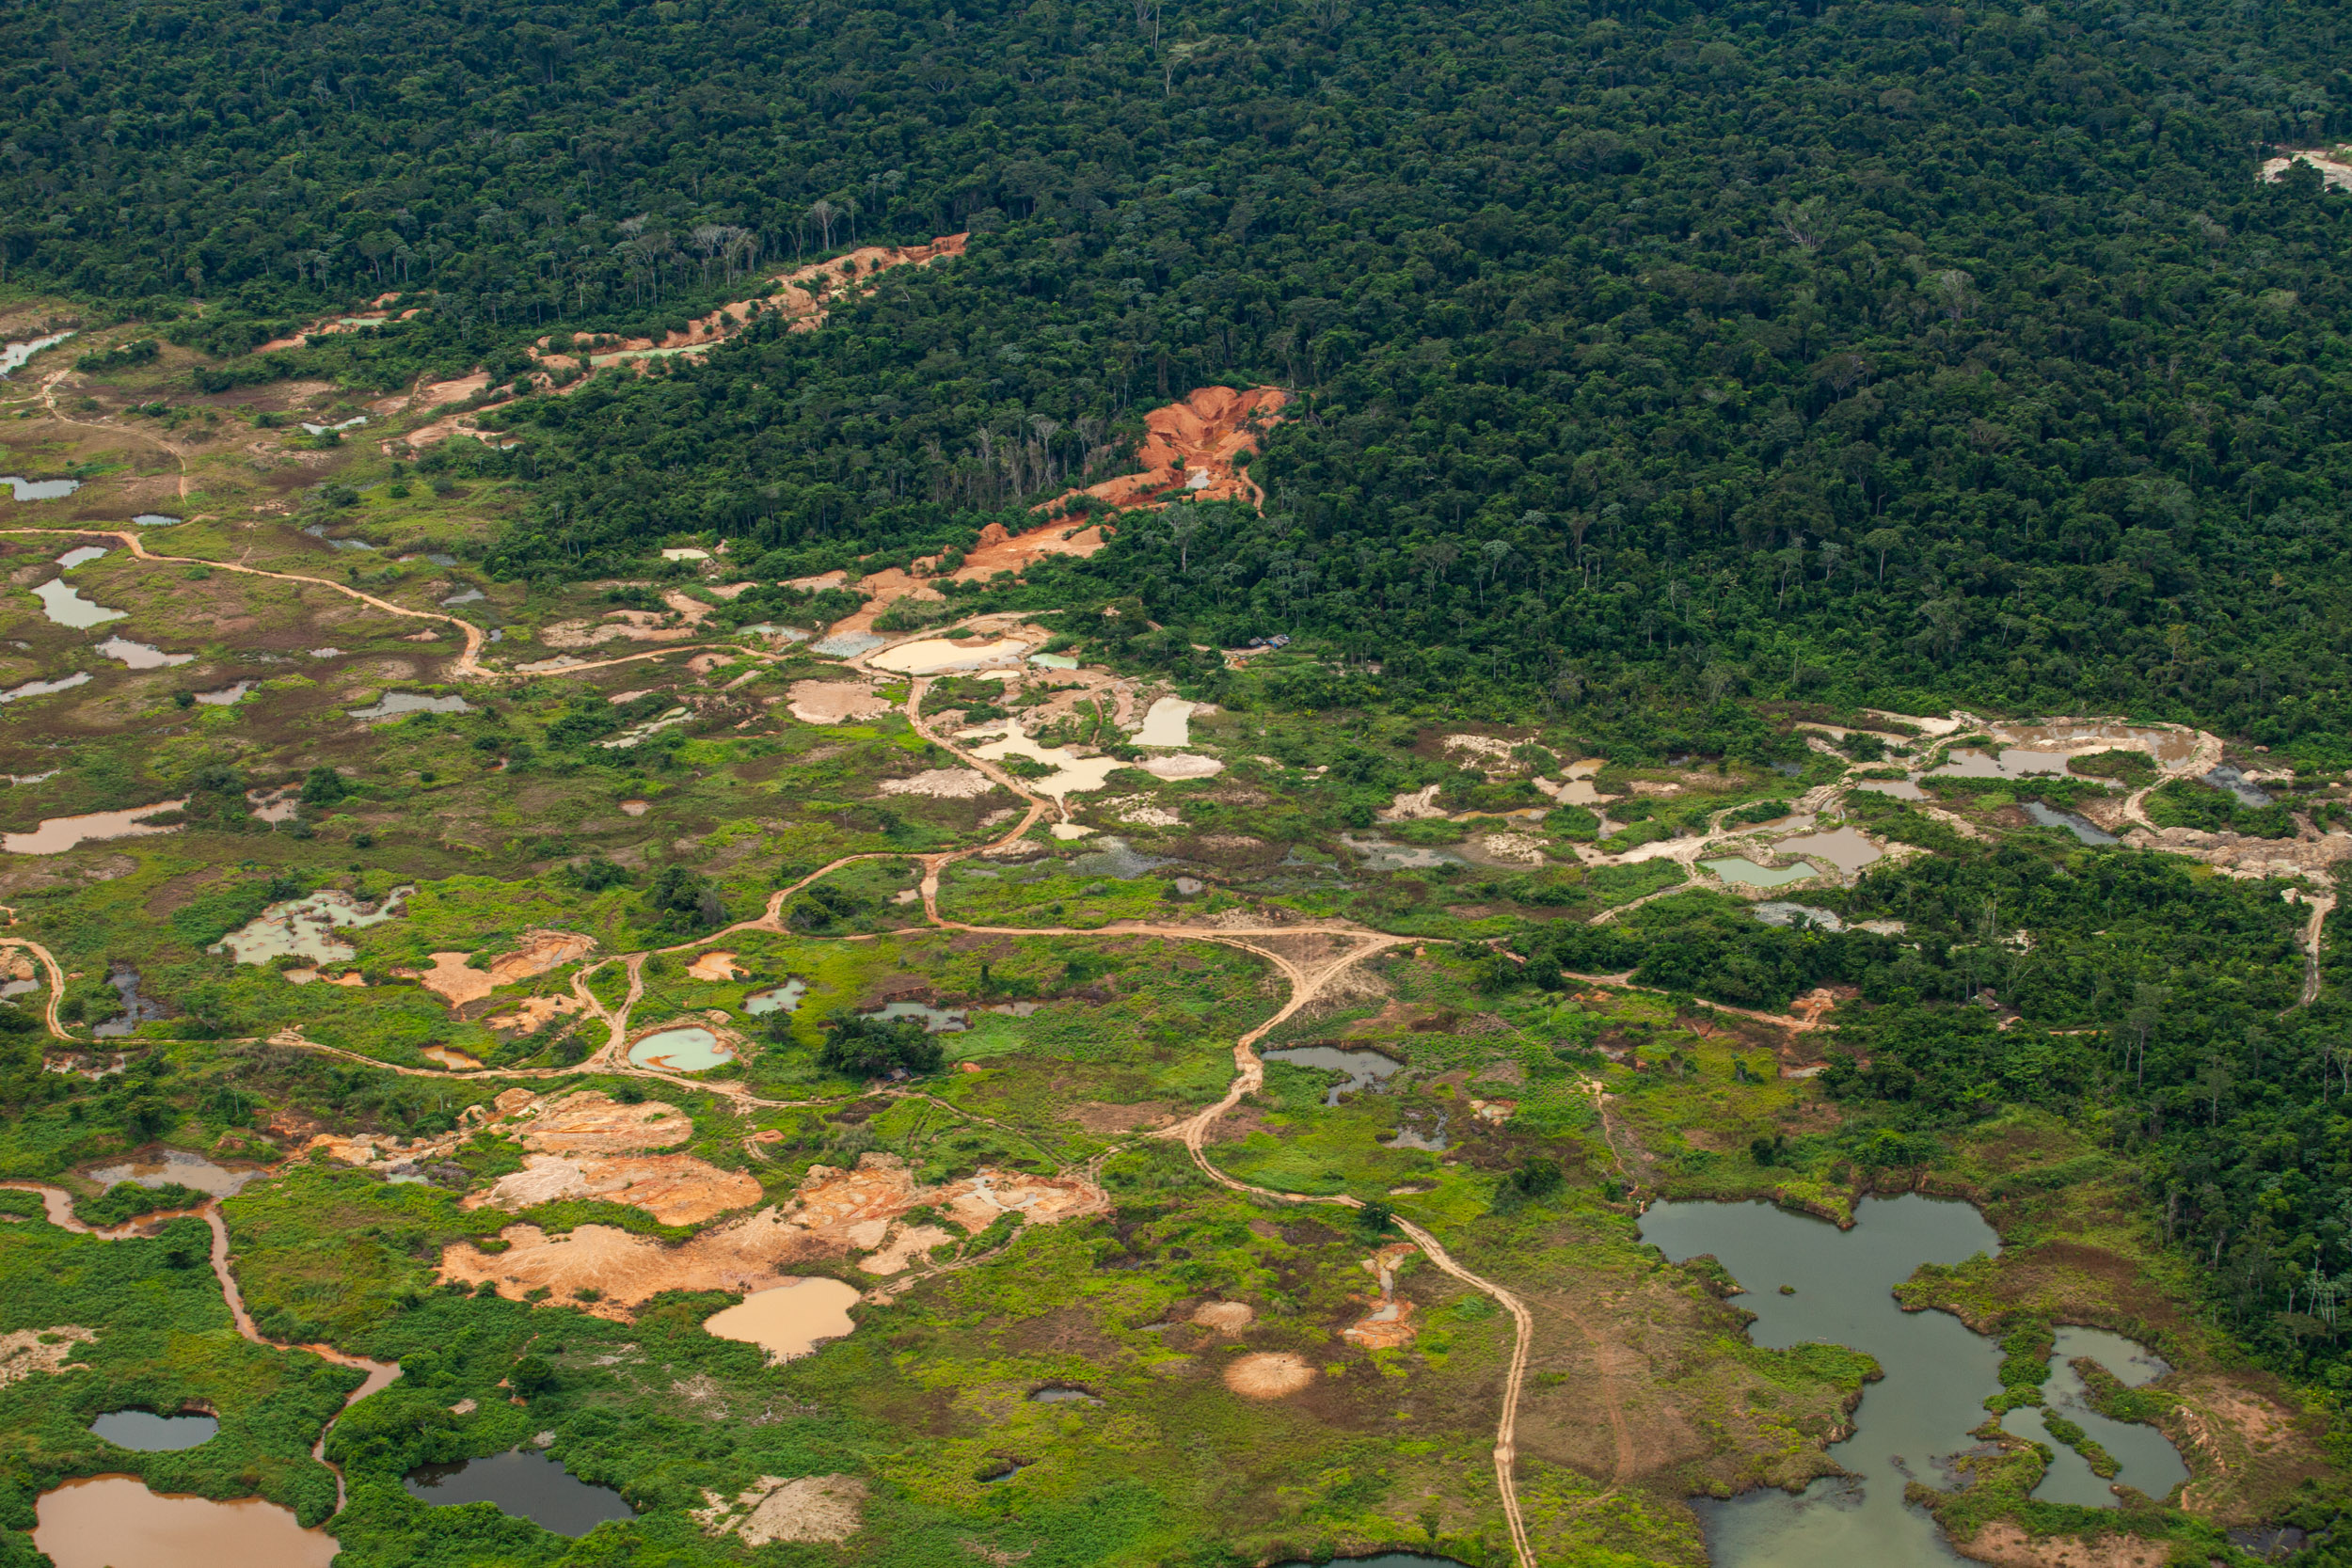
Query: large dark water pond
point(527, 1485)
point(1938, 1373)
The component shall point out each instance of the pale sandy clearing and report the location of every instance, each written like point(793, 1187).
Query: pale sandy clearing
point(717, 967)
point(1225, 1317)
point(1268, 1375)
point(31, 1351)
point(454, 983)
point(676, 1189)
point(933, 655)
point(831, 701)
point(772, 1510)
point(942, 783)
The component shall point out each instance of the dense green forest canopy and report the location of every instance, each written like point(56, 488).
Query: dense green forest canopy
point(1867, 348)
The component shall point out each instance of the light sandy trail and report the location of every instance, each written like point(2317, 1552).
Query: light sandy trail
point(57, 980)
point(49, 400)
point(2321, 904)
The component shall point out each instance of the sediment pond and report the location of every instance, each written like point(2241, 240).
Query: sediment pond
point(1739, 868)
point(1937, 1372)
point(57, 834)
point(524, 1484)
point(785, 998)
point(167, 1167)
point(39, 489)
point(116, 1522)
point(688, 1050)
point(42, 688)
point(63, 604)
point(305, 928)
point(789, 1319)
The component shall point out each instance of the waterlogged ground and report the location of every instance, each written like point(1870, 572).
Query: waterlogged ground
point(507, 965)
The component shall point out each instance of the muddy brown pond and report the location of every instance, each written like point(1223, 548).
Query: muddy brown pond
point(116, 1522)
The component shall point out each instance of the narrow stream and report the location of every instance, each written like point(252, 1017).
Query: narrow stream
point(58, 1205)
point(1937, 1373)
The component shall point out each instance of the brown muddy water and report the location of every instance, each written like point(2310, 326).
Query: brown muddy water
point(790, 1320)
point(57, 834)
point(163, 1167)
point(116, 1522)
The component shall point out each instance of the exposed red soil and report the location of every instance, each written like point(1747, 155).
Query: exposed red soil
point(1194, 451)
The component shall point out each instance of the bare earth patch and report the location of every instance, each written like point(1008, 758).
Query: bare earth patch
point(592, 1123)
point(772, 1510)
point(1225, 1317)
point(1268, 1375)
point(834, 1213)
point(831, 701)
point(2011, 1548)
point(452, 980)
point(713, 967)
point(31, 1351)
point(942, 783)
point(676, 1189)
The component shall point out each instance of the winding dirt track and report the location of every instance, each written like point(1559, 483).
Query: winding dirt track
point(57, 981)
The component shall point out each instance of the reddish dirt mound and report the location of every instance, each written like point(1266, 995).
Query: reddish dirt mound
point(591, 1123)
point(676, 1189)
point(1195, 450)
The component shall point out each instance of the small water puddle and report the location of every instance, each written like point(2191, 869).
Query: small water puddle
point(228, 696)
point(935, 1021)
point(145, 1431)
point(13, 355)
point(1410, 1136)
point(318, 532)
point(2146, 1461)
point(305, 928)
point(1364, 1069)
point(790, 1320)
point(42, 688)
point(136, 1009)
point(2230, 780)
point(155, 520)
point(1901, 789)
point(64, 604)
point(1938, 1373)
point(57, 834)
point(169, 1167)
point(688, 1050)
point(521, 1483)
point(1112, 857)
point(1061, 1394)
point(139, 656)
point(2081, 827)
point(39, 489)
point(785, 998)
point(116, 1522)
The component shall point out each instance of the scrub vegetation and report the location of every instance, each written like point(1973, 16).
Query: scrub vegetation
point(1690, 448)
